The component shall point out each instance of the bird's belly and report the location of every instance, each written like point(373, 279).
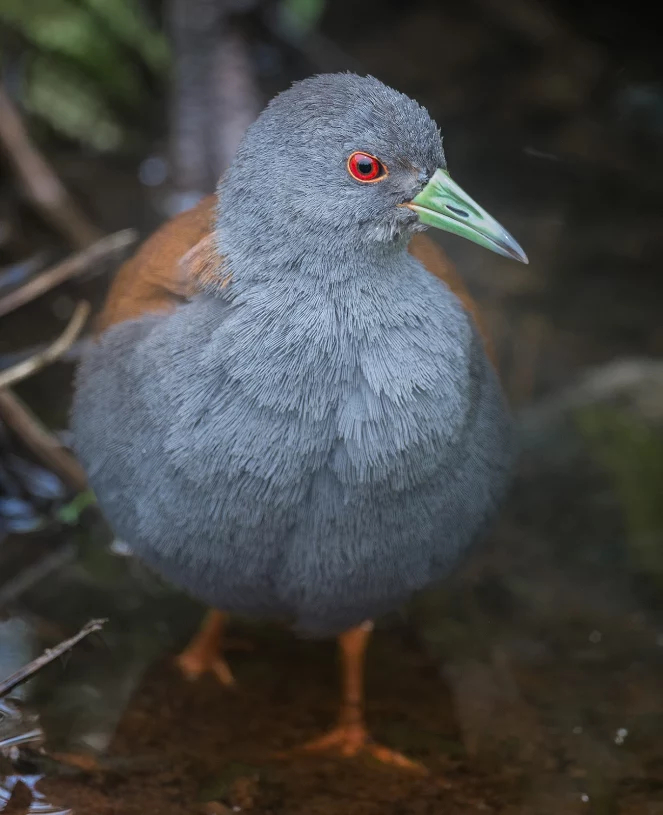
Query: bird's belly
point(321, 552)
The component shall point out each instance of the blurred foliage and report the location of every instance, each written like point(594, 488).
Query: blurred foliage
point(631, 452)
point(89, 65)
point(95, 70)
point(129, 25)
point(301, 16)
point(70, 513)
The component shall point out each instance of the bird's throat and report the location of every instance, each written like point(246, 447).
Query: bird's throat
point(338, 268)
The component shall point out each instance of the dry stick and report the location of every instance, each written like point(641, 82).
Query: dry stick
point(72, 354)
point(72, 266)
point(47, 657)
point(39, 360)
point(43, 185)
point(43, 444)
point(13, 411)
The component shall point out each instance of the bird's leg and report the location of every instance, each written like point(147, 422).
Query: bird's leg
point(350, 736)
point(204, 654)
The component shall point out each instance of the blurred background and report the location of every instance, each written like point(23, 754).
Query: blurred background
point(531, 682)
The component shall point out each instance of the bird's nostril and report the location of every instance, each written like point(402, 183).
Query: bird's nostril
point(460, 212)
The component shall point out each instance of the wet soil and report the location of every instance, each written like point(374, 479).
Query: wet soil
point(197, 741)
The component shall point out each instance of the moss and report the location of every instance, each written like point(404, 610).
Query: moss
point(631, 453)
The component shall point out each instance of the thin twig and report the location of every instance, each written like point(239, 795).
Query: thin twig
point(43, 444)
point(45, 188)
point(19, 273)
point(47, 657)
point(72, 354)
point(72, 266)
point(29, 576)
point(55, 350)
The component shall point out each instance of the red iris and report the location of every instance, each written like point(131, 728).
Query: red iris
point(365, 167)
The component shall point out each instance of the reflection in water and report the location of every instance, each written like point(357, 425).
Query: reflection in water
point(20, 737)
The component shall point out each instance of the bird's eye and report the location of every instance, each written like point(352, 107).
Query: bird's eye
point(365, 167)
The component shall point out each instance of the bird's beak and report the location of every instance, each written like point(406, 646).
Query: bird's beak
point(442, 203)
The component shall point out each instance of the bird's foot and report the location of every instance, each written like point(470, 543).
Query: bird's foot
point(204, 654)
point(350, 740)
point(193, 663)
point(80, 761)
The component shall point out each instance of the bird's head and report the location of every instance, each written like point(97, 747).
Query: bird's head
point(340, 161)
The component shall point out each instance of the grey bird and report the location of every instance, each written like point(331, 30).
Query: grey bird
point(288, 410)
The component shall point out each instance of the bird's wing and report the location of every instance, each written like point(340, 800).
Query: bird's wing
point(166, 270)
point(173, 263)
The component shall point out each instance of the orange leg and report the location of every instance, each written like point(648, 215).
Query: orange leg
point(350, 737)
point(203, 653)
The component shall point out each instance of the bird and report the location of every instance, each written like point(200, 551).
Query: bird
point(289, 409)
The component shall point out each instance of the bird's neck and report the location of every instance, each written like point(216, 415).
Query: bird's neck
point(316, 270)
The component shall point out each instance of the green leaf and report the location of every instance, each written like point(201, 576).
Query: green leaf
point(127, 21)
point(70, 513)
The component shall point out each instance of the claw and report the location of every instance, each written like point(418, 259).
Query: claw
point(203, 654)
point(350, 740)
point(193, 666)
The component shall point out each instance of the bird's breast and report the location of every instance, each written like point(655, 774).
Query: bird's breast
point(380, 371)
point(314, 462)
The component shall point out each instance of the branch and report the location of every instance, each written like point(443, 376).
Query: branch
point(20, 272)
point(44, 187)
point(73, 266)
point(49, 655)
point(72, 354)
point(39, 360)
point(43, 444)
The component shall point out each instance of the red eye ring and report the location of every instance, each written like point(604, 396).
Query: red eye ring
point(366, 168)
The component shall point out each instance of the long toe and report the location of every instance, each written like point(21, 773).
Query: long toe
point(193, 663)
point(353, 740)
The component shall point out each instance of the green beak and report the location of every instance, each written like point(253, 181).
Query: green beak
point(442, 203)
